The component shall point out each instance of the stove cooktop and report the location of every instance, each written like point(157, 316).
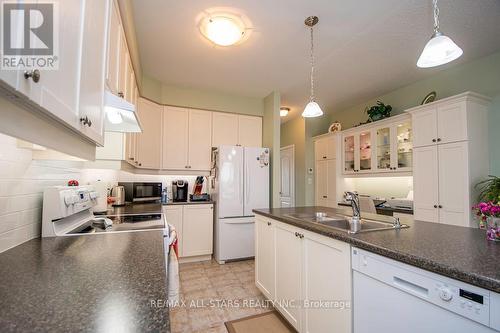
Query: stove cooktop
point(120, 223)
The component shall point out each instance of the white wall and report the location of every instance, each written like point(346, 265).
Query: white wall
point(22, 182)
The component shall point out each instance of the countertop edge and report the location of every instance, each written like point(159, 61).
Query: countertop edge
point(423, 263)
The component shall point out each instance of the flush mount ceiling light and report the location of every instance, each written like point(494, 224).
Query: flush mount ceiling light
point(284, 111)
point(312, 108)
point(223, 29)
point(440, 49)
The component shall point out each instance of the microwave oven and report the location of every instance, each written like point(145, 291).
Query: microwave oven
point(142, 192)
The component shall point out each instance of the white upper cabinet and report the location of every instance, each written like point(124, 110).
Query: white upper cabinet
point(224, 129)
point(149, 141)
point(249, 131)
point(57, 91)
point(382, 147)
point(200, 140)
point(123, 66)
point(92, 82)
point(425, 127)
point(442, 123)
point(175, 138)
point(452, 123)
point(452, 157)
point(72, 94)
point(325, 148)
point(186, 139)
point(114, 41)
point(232, 129)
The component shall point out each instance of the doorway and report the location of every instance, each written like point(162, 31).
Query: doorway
point(287, 172)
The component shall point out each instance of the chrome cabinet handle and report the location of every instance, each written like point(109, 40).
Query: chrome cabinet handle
point(33, 74)
point(86, 121)
point(268, 223)
point(439, 140)
point(440, 206)
point(296, 234)
point(435, 206)
point(434, 140)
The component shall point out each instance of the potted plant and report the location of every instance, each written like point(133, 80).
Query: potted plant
point(488, 209)
point(378, 112)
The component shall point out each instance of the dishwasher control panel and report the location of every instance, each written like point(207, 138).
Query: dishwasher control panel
point(461, 298)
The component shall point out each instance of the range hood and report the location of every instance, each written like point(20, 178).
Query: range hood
point(120, 115)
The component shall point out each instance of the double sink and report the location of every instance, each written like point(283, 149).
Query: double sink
point(345, 223)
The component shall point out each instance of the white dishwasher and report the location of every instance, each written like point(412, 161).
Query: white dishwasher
point(389, 296)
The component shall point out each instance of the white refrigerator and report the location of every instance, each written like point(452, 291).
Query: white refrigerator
point(240, 184)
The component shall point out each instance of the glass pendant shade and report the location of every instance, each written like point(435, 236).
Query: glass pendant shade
point(312, 109)
point(439, 51)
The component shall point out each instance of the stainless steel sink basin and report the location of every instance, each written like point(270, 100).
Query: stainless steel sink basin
point(343, 222)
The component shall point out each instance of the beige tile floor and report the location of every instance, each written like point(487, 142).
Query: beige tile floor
point(214, 294)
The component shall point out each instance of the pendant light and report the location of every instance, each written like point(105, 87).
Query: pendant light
point(312, 108)
point(440, 49)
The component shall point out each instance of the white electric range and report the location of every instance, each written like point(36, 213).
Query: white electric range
point(67, 211)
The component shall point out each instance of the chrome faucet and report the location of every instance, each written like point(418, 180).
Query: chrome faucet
point(354, 199)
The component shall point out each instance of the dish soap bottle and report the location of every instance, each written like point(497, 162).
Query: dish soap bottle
point(164, 196)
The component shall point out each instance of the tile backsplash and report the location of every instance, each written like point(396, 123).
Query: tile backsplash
point(23, 180)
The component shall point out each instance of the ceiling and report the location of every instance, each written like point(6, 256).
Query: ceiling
point(364, 48)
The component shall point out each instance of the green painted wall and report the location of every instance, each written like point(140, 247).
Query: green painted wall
point(481, 76)
point(271, 139)
point(201, 99)
point(293, 132)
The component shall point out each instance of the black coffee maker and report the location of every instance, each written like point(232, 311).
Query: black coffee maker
point(179, 191)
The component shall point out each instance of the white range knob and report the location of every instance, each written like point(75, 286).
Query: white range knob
point(68, 200)
point(445, 294)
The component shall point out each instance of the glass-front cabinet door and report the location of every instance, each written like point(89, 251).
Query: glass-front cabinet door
point(365, 151)
point(383, 149)
point(349, 152)
point(403, 146)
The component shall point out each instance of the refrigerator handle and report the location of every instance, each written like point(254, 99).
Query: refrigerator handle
point(247, 183)
point(241, 194)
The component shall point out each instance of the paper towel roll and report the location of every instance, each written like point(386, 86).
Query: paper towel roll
point(102, 202)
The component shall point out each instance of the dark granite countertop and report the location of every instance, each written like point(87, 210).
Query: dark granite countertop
point(89, 283)
point(457, 252)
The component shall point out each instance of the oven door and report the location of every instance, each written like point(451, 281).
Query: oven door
point(147, 192)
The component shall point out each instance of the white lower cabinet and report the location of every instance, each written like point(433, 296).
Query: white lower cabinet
point(288, 273)
point(264, 250)
point(326, 277)
point(194, 226)
point(301, 266)
point(174, 215)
